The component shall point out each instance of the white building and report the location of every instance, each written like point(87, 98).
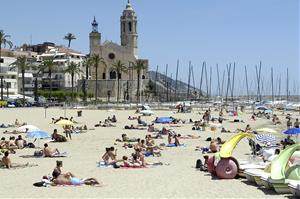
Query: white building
point(62, 57)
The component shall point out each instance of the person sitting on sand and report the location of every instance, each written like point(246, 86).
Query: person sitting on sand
point(289, 123)
point(57, 170)
point(20, 142)
point(6, 160)
point(2, 143)
point(57, 137)
point(11, 143)
point(113, 119)
point(248, 128)
point(17, 123)
point(253, 117)
point(176, 140)
point(141, 122)
point(214, 147)
point(110, 156)
point(48, 152)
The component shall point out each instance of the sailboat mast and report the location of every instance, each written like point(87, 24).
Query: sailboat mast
point(246, 75)
point(176, 80)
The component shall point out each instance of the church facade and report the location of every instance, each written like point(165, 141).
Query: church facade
point(110, 52)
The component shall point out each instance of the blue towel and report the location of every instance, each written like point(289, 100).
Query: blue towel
point(103, 165)
point(173, 145)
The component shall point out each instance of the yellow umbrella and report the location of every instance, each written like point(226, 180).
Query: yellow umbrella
point(266, 130)
point(64, 122)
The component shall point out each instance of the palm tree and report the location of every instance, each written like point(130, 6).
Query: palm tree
point(119, 67)
point(38, 70)
point(87, 63)
point(139, 65)
point(69, 37)
point(22, 65)
point(96, 59)
point(48, 64)
point(72, 69)
point(4, 40)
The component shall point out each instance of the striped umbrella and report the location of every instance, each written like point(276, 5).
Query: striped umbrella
point(265, 138)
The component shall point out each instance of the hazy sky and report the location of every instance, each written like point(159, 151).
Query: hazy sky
point(215, 31)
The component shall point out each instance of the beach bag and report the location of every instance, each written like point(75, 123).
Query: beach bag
point(38, 153)
point(38, 184)
point(199, 164)
point(30, 145)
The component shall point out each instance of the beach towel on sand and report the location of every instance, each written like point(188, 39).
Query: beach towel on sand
point(164, 120)
point(102, 165)
point(173, 145)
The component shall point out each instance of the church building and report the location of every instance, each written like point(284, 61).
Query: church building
point(111, 53)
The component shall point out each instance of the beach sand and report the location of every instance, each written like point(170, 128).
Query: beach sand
point(179, 179)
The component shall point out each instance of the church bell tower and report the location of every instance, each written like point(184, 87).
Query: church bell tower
point(128, 23)
point(95, 38)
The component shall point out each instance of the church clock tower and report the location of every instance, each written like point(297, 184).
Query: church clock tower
point(128, 23)
point(95, 38)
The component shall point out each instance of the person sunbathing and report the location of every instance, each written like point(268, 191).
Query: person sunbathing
point(110, 156)
point(188, 136)
point(134, 127)
point(141, 122)
point(6, 160)
point(248, 128)
point(10, 132)
point(223, 130)
point(11, 143)
point(113, 119)
point(132, 118)
point(48, 152)
point(126, 139)
point(7, 163)
point(57, 137)
point(20, 142)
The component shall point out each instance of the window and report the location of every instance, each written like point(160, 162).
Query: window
point(123, 26)
point(112, 75)
point(103, 76)
point(143, 77)
point(130, 26)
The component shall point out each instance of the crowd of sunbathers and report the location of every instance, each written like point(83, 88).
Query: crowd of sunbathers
point(107, 122)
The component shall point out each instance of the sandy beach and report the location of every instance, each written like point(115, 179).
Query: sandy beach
point(178, 179)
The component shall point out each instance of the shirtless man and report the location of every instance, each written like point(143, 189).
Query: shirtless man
point(6, 160)
point(48, 152)
point(20, 142)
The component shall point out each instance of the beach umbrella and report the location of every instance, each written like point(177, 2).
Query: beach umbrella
point(266, 130)
point(27, 127)
point(261, 108)
point(38, 134)
point(64, 122)
point(268, 111)
point(265, 138)
point(292, 131)
point(146, 112)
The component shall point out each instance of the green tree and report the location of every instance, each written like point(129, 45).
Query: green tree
point(72, 69)
point(119, 67)
point(38, 70)
point(4, 40)
point(69, 37)
point(139, 65)
point(96, 60)
point(87, 63)
point(49, 65)
point(22, 65)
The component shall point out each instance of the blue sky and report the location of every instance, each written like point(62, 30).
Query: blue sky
point(215, 31)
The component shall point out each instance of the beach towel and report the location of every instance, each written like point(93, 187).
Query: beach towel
point(147, 154)
point(164, 120)
point(103, 165)
point(133, 167)
point(173, 145)
point(19, 166)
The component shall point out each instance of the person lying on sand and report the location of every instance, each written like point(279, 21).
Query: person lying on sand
point(134, 127)
point(10, 132)
point(132, 118)
point(223, 130)
point(68, 178)
point(151, 128)
point(48, 152)
point(188, 136)
point(106, 123)
point(126, 139)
